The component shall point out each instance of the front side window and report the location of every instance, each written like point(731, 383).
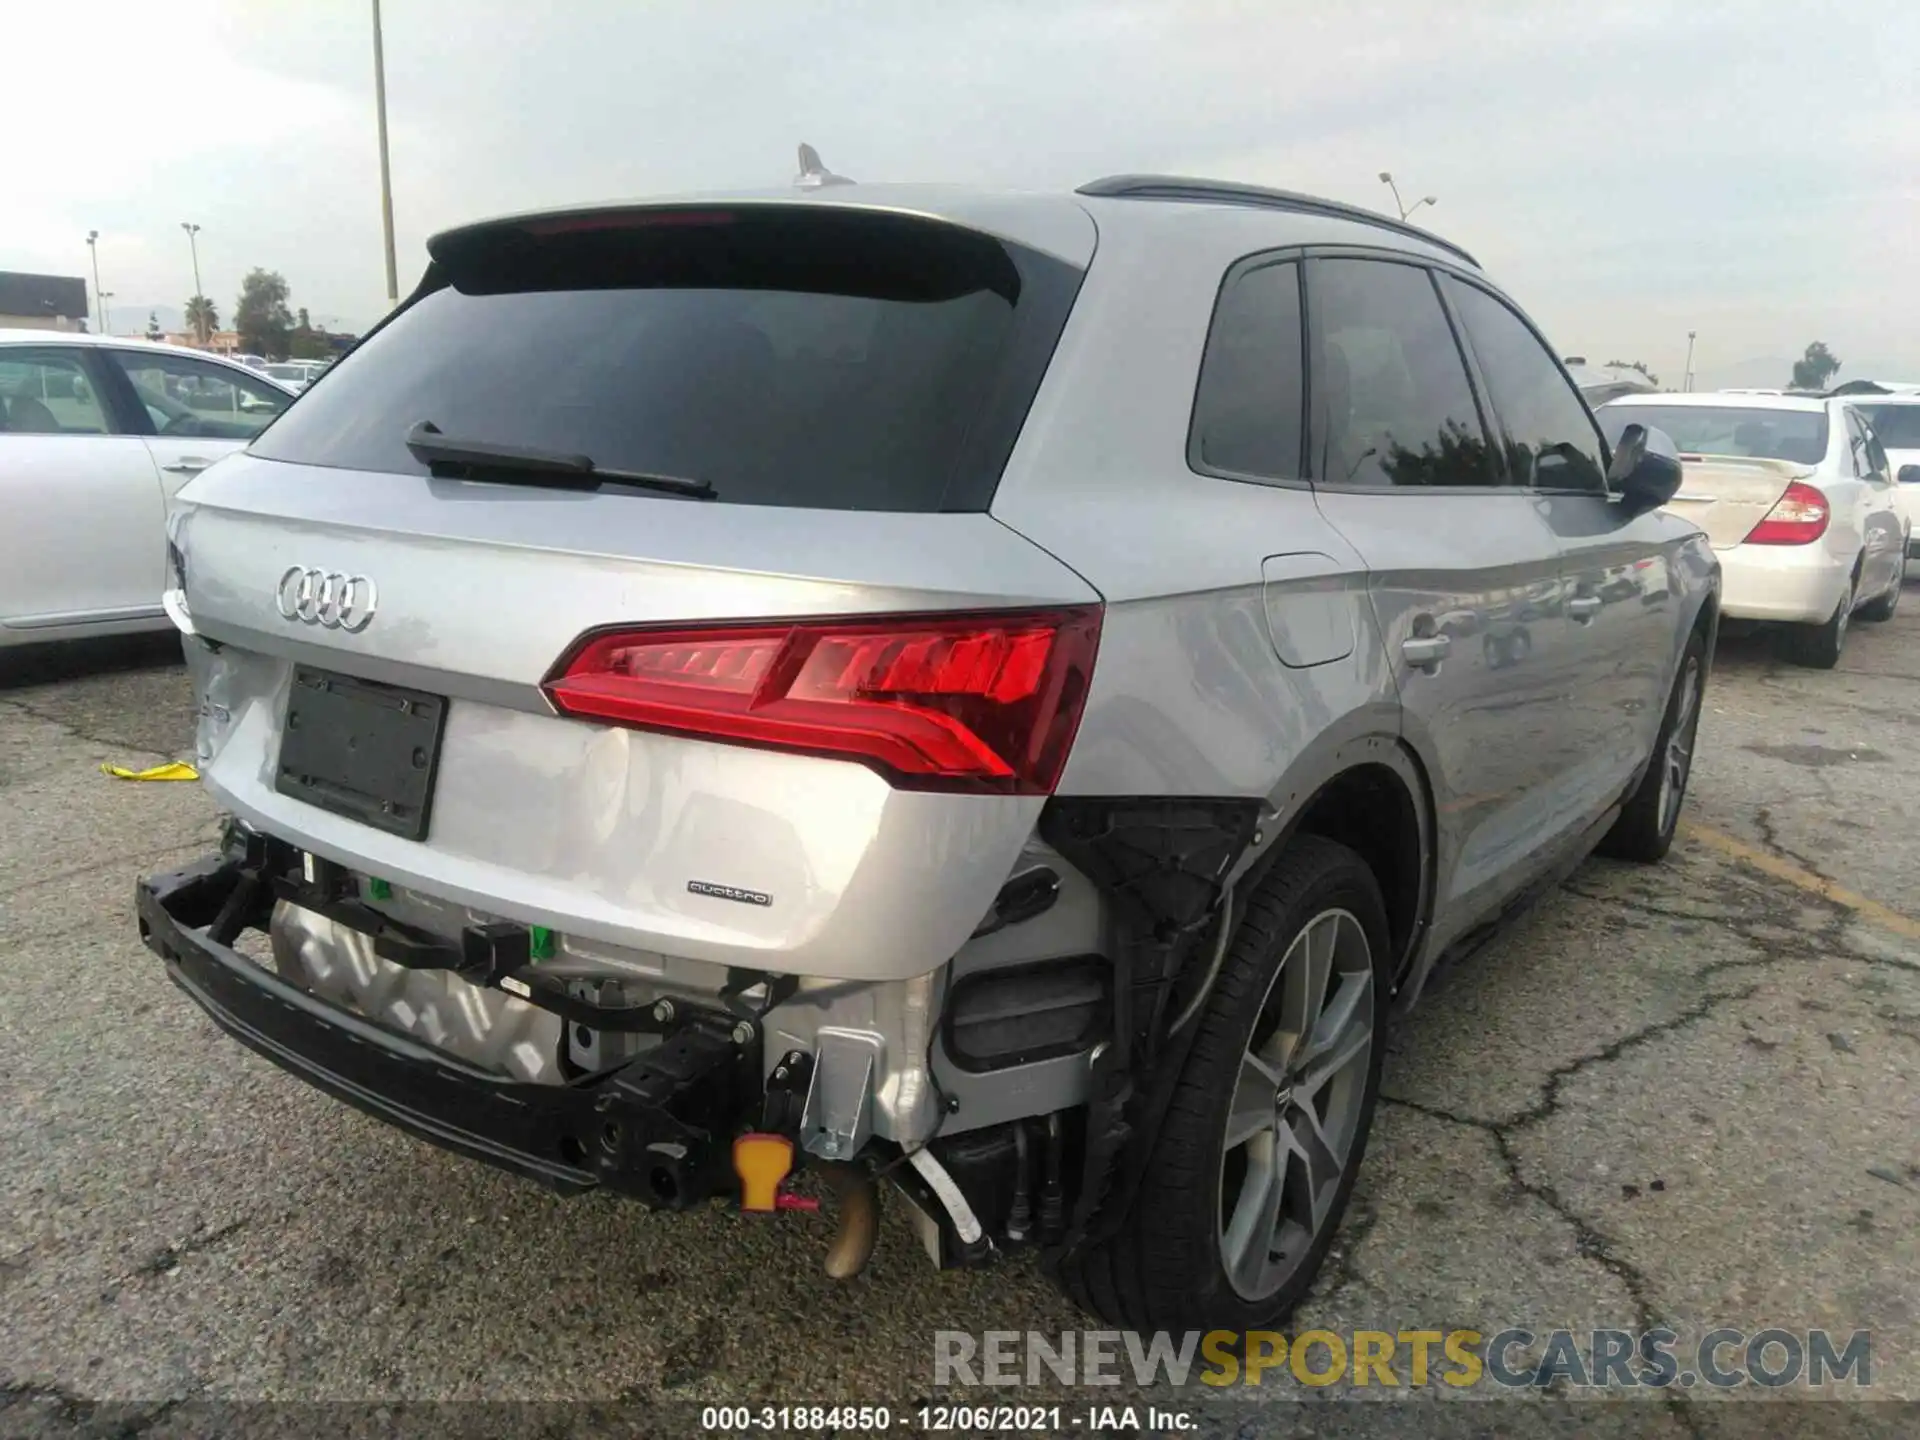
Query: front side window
point(1895, 426)
point(1550, 439)
point(1391, 402)
point(46, 392)
point(1247, 409)
point(189, 398)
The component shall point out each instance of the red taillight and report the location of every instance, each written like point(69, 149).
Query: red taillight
point(1798, 517)
point(981, 702)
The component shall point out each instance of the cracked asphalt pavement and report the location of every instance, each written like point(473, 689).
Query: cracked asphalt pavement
point(1683, 1095)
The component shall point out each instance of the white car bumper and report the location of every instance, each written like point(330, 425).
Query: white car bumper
point(1906, 500)
point(1801, 583)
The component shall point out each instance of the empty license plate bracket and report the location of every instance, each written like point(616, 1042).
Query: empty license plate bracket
point(361, 749)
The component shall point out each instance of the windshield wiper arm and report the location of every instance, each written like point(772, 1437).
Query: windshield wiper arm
point(451, 458)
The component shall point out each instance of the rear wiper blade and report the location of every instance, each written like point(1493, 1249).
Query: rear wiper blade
point(450, 458)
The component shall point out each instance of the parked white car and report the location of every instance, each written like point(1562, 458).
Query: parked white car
point(1797, 498)
point(296, 375)
point(96, 433)
point(1896, 425)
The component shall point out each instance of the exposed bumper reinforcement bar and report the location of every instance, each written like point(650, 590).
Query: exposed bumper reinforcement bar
point(656, 1128)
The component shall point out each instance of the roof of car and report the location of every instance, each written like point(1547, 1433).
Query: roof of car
point(1729, 400)
point(1055, 222)
point(121, 342)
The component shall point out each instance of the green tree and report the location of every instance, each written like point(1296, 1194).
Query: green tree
point(202, 318)
point(305, 342)
point(1816, 368)
point(153, 326)
point(261, 315)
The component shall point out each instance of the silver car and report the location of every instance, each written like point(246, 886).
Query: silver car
point(1002, 699)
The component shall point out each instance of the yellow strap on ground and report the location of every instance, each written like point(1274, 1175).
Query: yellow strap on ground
point(172, 770)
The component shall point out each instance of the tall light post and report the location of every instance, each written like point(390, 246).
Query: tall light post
point(386, 181)
point(1686, 382)
point(1386, 178)
point(193, 246)
point(93, 246)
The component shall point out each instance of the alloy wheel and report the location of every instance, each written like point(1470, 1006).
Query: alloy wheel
point(1297, 1104)
point(1678, 758)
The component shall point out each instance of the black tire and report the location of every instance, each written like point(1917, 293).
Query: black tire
point(1164, 1269)
point(1644, 831)
point(1882, 607)
point(1818, 647)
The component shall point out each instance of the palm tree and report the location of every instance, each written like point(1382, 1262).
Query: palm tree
point(202, 318)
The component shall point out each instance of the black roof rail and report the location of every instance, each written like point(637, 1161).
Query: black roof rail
point(1230, 192)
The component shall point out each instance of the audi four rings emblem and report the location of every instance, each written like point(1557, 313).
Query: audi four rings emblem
point(326, 598)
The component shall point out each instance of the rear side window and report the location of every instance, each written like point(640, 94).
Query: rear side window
point(1857, 443)
point(1897, 426)
point(1247, 411)
point(46, 392)
point(825, 358)
point(1391, 401)
point(1551, 442)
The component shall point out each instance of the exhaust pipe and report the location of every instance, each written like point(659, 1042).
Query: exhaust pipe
point(858, 1202)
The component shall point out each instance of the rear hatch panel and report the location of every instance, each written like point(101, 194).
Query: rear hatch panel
point(851, 389)
point(594, 830)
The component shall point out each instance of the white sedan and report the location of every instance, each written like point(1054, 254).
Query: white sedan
point(1896, 424)
point(96, 433)
point(1797, 498)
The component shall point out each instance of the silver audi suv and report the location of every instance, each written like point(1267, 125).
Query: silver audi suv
point(996, 700)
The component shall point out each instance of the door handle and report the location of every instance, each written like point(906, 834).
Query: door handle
point(1425, 652)
point(187, 465)
point(1583, 607)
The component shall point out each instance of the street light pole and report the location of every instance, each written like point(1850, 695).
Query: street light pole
point(193, 246)
point(1687, 382)
point(386, 181)
point(93, 246)
point(1386, 178)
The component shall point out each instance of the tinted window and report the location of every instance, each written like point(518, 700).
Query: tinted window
point(1247, 413)
point(825, 358)
point(1550, 440)
point(1390, 398)
point(1857, 443)
point(1797, 435)
point(1897, 426)
point(46, 392)
point(197, 400)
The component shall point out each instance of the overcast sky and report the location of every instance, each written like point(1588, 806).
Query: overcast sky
point(1629, 170)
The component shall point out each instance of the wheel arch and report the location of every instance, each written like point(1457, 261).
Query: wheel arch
point(1370, 793)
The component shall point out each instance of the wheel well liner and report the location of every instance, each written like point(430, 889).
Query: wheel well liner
point(1370, 810)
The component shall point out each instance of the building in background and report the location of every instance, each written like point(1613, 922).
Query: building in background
point(220, 342)
point(42, 302)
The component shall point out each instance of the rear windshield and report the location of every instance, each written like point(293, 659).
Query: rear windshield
point(1898, 426)
point(837, 359)
point(1797, 435)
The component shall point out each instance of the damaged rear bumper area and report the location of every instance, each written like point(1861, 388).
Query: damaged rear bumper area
point(657, 1128)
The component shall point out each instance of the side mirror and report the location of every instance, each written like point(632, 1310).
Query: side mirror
point(1646, 469)
point(1910, 474)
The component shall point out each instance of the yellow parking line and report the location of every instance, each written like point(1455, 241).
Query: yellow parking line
point(1802, 878)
